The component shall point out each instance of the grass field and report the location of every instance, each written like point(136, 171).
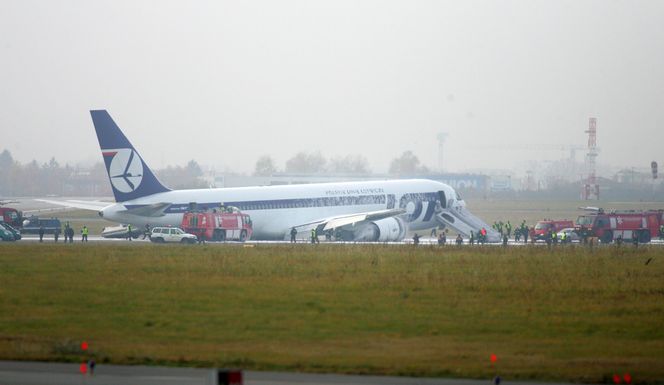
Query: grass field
point(565, 314)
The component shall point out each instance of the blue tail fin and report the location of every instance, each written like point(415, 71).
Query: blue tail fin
point(130, 176)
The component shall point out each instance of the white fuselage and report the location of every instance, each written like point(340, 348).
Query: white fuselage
point(274, 210)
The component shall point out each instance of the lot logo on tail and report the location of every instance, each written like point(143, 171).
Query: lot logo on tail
point(125, 170)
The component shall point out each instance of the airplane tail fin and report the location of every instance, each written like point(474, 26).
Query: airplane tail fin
point(129, 175)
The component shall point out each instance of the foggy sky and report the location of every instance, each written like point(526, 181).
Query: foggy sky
point(226, 82)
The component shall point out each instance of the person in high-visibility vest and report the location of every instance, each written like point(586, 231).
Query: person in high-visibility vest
point(84, 234)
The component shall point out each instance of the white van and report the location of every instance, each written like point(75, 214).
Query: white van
point(171, 234)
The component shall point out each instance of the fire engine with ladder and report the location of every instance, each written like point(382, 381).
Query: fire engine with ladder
point(627, 224)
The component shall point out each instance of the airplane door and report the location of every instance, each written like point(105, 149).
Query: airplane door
point(391, 201)
point(442, 199)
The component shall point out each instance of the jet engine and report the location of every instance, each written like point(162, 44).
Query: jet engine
point(384, 230)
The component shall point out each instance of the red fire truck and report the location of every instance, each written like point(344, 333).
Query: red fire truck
point(542, 228)
point(11, 216)
point(218, 226)
point(645, 225)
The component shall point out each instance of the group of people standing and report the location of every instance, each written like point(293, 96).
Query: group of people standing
point(314, 235)
point(68, 233)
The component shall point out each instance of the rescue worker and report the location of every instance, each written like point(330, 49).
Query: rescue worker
point(563, 237)
point(505, 239)
point(525, 233)
point(584, 235)
point(314, 236)
point(619, 240)
point(472, 238)
point(635, 238)
point(554, 235)
point(508, 227)
point(416, 239)
point(459, 240)
point(91, 366)
point(483, 235)
point(146, 233)
point(129, 229)
point(56, 233)
point(84, 234)
point(293, 233)
point(442, 238)
point(41, 233)
point(71, 234)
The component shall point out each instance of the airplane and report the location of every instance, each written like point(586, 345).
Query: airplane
point(378, 211)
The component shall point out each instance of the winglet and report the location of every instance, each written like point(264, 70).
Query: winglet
point(130, 177)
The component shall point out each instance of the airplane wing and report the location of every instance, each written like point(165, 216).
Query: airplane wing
point(153, 210)
point(76, 204)
point(349, 219)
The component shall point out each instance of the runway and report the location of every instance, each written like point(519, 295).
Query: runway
point(43, 373)
point(48, 239)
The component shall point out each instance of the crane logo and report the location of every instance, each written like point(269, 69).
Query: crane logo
point(125, 170)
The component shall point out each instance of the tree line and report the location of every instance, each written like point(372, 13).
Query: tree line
point(315, 163)
point(52, 178)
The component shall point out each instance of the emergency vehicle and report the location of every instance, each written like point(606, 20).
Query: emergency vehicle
point(626, 224)
point(542, 228)
point(11, 216)
point(219, 226)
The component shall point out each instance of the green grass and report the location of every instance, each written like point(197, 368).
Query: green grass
point(566, 314)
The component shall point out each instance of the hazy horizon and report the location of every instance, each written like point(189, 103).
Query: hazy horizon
point(226, 82)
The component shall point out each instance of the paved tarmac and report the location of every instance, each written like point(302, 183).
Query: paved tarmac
point(48, 239)
point(42, 373)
